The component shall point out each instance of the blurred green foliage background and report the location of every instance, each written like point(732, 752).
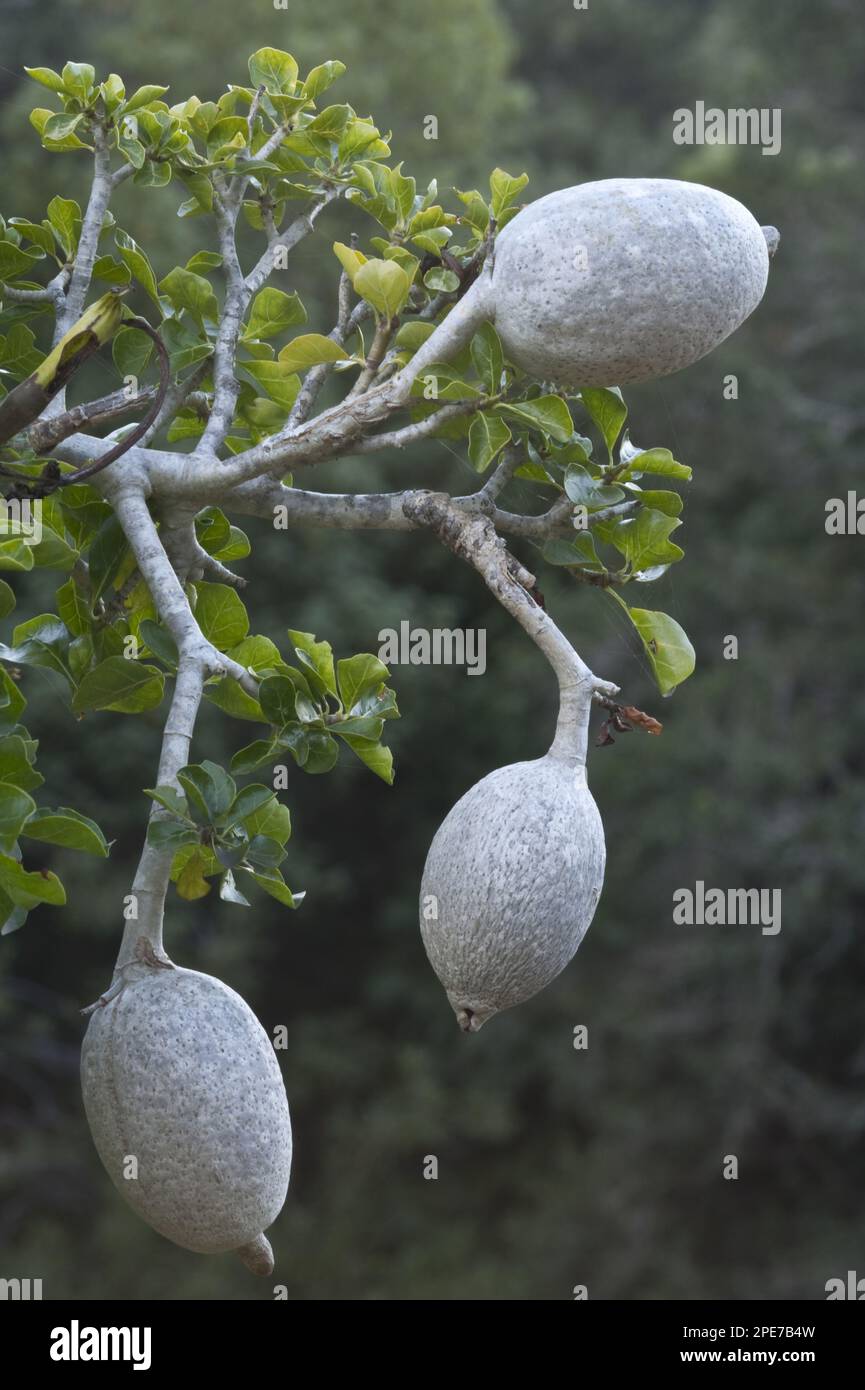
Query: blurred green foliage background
point(556, 1167)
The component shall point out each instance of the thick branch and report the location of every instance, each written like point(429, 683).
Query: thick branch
point(238, 294)
point(474, 539)
point(91, 226)
point(152, 876)
point(46, 433)
point(167, 591)
point(225, 385)
point(175, 397)
point(383, 511)
point(315, 378)
point(420, 429)
point(336, 429)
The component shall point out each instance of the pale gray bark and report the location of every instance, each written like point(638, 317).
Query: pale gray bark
point(177, 486)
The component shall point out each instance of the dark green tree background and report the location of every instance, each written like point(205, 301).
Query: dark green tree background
point(556, 1167)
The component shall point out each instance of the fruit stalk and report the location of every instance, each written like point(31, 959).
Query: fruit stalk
point(473, 538)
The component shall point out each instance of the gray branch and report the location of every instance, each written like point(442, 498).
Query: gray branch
point(91, 226)
point(473, 538)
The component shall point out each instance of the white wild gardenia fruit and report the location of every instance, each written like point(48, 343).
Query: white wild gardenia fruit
point(179, 1075)
point(512, 879)
point(624, 279)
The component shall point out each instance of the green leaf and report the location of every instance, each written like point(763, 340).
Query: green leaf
point(53, 551)
point(172, 834)
point(212, 529)
point(12, 917)
point(251, 799)
point(359, 676)
point(12, 702)
point(18, 354)
point(504, 189)
point(309, 350)
point(276, 378)
point(257, 653)
point(67, 828)
point(16, 763)
point(441, 280)
point(660, 462)
point(160, 642)
point(171, 799)
point(131, 350)
point(204, 260)
point(384, 285)
point(35, 232)
point(39, 120)
point(42, 641)
point(322, 753)
point(141, 269)
point(412, 336)
point(79, 79)
point(220, 614)
point(488, 357)
point(644, 539)
point(264, 853)
point(29, 889)
point(62, 125)
point(143, 97)
point(16, 807)
point(230, 697)
point(274, 70)
point(132, 148)
point(108, 550)
point(669, 502)
point(330, 123)
point(274, 884)
point(186, 290)
point(367, 728)
point(48, 78)
point(320, 657)
point(65, 217)
point(666, 644)
point(226, 137)
point(580, 551)
point(236, 548)
point(350, 259)
point(586, 491)
point(15, 555)
point(7, 598)
point(277, 695)
point(272, 820)
point(190, 882)
point(272, 312)
point(118, 684)
point(376, 757)
point(14, 261)
point(209, 790)
point(321, 77)
point(113, 92)
point(608, 410)
point(253, 756)
point(488, 435)
point(229, 891)
point(549, 414)
point(377, 703)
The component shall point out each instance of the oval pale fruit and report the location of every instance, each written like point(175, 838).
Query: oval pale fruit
point(625, 279)
point(510, 885)
point(178, 1074)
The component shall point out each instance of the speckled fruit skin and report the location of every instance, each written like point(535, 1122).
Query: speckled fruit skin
point(516, 870)
point(625, 279)
point(178, 1071)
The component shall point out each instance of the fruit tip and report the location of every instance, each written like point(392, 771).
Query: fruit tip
point(257, 1255)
